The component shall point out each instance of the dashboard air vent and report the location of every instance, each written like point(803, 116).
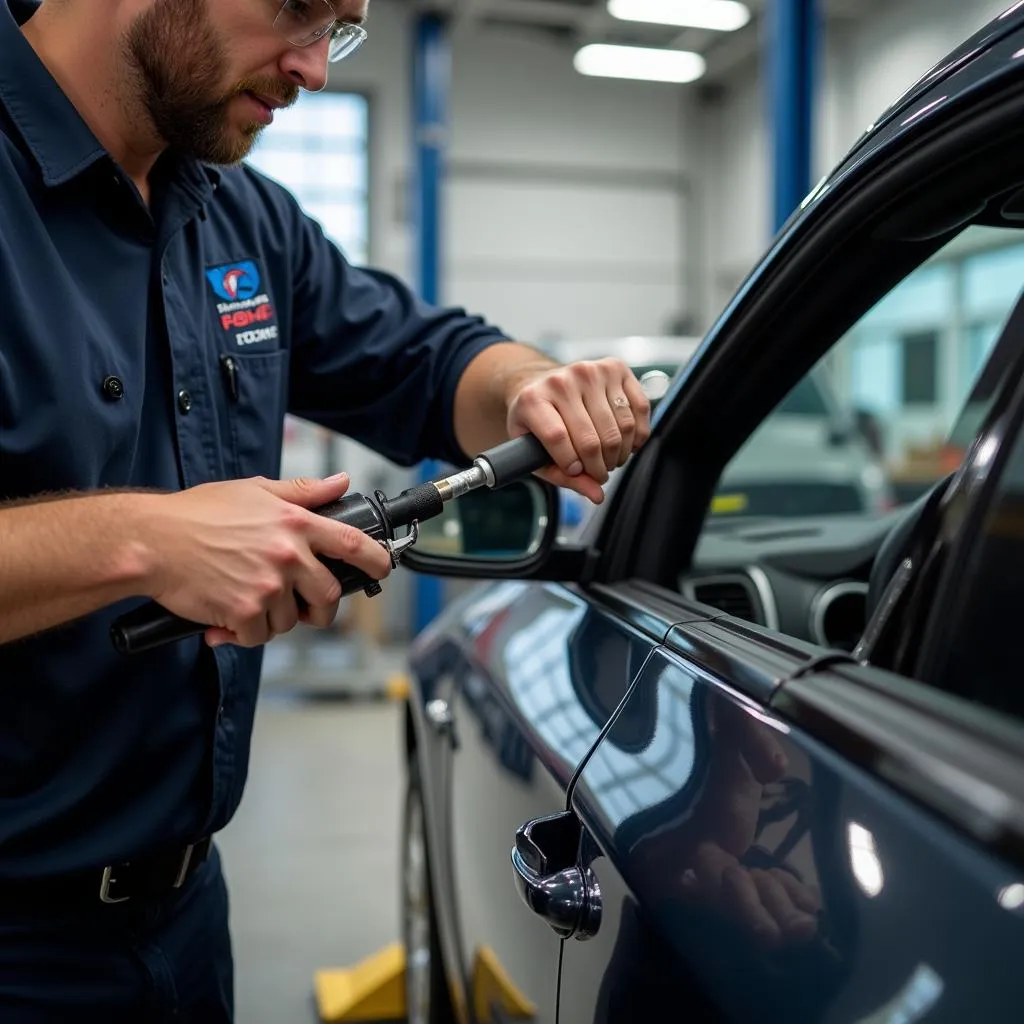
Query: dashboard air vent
point(734, 595)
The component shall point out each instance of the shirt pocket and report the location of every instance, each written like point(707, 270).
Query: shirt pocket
point(256, 385)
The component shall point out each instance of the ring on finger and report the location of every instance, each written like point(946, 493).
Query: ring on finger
point(620, 402)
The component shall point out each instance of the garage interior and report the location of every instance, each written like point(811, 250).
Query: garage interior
point(464, 150)
point(555, 186)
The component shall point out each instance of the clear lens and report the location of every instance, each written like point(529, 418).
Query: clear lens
point(303, 22)
point(345, 40)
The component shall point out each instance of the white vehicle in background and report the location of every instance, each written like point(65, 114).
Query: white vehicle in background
point(808, 458)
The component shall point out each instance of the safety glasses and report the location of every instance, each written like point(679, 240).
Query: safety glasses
point(304, 22)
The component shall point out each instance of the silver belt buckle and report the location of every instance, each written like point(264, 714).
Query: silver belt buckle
point(108, 877)
point(105, 883)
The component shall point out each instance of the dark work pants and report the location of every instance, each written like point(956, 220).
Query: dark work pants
point(122, 964)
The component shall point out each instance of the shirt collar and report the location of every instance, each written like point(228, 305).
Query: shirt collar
point(55, 133)
point(60, 141)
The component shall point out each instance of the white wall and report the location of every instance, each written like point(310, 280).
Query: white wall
point(565, 199)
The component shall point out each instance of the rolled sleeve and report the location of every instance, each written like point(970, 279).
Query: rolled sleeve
point(373, 361)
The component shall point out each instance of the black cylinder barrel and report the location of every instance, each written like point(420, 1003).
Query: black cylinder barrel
point(515, 459)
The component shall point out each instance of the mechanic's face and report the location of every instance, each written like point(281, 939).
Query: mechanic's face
point(210, 72)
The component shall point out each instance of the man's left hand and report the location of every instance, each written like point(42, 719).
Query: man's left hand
point(591, 416)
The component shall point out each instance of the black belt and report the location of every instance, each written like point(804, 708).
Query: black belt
point(146, 879)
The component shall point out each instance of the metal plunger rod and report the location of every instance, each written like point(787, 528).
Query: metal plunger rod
point(502, 465)
point(457, 484)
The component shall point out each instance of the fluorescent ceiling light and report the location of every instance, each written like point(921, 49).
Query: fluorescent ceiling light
point(719, 15)
point(640, 63)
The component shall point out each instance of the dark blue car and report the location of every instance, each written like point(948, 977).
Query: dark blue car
point(753, 754)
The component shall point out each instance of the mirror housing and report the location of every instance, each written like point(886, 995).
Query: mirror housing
point(507, 533)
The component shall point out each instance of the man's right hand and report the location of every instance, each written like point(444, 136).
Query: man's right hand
point(235, 554)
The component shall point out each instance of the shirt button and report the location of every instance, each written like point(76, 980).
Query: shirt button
point(184, 401)
point(113, 388)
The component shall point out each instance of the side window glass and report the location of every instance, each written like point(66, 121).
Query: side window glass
point(870, 428)
point(983, 662)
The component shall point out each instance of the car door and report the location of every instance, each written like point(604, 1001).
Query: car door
point(827, 840)
point(787, 820)
point(849, 852)
point(525, 697)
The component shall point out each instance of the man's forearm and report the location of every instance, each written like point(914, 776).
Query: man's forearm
point(488, 384)
point(61, 559)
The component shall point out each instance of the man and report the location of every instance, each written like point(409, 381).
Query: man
point(163, 309)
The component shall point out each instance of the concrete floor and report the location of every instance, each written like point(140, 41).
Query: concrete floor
point(312, 855)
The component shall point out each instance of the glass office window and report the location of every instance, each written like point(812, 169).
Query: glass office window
point(319, 150)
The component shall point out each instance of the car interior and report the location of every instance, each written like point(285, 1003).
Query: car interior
point(814, 576)
point(820, 578)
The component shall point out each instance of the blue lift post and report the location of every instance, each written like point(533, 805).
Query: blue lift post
point(792, 60)
point(431, 81)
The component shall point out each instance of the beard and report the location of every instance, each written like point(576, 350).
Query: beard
point(179, 62)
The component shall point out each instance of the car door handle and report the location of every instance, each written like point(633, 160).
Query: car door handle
point(550, 881)
point(439, 714)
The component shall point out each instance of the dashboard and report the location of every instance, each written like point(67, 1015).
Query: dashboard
point(805, 577)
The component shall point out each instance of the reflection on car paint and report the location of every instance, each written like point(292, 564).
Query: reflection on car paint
point(732, 838)
point(486, 602)
point(733, 849)
point(912, 1002)
point(540, 682)
point(546, 675)
point(864, 860)
point(707, 810)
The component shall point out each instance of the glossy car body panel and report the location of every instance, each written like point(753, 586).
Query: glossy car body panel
point(702, 807)
point(530, 674)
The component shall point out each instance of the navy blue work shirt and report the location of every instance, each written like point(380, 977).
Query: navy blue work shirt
point(161, 348)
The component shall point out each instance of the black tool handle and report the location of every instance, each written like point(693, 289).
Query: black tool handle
point(516, 459)
point(151, 625)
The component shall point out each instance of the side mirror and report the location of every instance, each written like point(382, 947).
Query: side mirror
point(500, 533)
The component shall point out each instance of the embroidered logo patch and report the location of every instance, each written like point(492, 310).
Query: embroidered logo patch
point(234, 280)
point(243, 310)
